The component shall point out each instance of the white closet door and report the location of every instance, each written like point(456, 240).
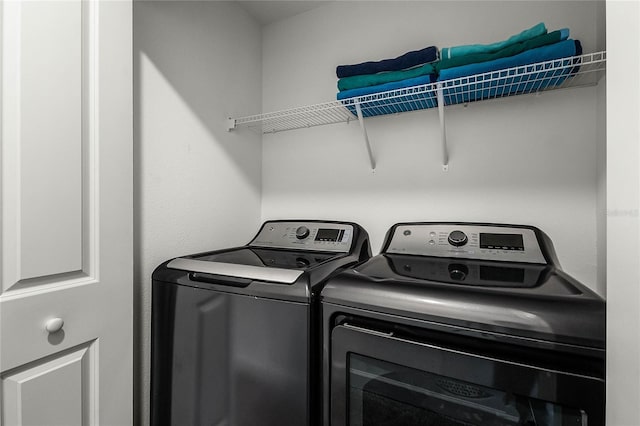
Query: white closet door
point(66, 213)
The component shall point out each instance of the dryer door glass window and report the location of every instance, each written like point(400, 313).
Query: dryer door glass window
point(386, 394)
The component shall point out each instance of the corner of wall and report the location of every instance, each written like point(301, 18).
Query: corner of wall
point(601, 186)
point(196, 63)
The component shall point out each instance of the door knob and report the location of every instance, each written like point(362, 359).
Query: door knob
point(54, 324)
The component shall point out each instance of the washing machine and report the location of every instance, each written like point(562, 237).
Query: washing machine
point(462, 324)
point(234, 331)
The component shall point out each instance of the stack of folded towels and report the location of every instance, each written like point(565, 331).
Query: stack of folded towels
point(411, 69)
point(530, 46)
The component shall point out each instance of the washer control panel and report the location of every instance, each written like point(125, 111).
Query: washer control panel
point(317, 236)
point(483, 242)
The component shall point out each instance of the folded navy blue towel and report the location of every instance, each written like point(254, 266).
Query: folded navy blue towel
point(408, 60)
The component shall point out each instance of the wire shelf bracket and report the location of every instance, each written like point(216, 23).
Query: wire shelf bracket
point(574, 71)
point(443, 128)
point(372, 160)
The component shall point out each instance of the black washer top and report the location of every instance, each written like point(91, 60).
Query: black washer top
point(276, 264)
point(269, 258)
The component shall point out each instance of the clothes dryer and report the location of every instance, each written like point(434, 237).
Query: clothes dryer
point(463, 324)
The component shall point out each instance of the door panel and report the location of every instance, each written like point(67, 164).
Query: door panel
point(24, 336)
point(31, 395)
point(66, 215)
point(50, 175)
point(45, 146)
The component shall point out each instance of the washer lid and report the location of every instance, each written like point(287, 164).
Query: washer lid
point(279, 266)
point(278, 275)
point(268, 258)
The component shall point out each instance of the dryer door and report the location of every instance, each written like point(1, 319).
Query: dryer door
point(378, 379)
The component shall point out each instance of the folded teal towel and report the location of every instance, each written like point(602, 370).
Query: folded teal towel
point(508, 77)
point(357, 81)
point(558, 50)
point(395, 85)
point(451, 52)
point(514, 49)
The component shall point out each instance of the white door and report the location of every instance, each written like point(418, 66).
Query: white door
point(66, 213)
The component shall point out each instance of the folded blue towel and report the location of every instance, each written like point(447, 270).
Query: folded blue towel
point(408, 60)
point(503, 83)
point(514, 49)
point(535, 31)
point(545, 53)
point(403, 103)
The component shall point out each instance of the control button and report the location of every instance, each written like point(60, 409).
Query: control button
point(457, 238)
point(432, 234)
point(302, 232)
point(431, 242)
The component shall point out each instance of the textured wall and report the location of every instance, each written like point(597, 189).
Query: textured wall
point(197, 185)
point(528, 160)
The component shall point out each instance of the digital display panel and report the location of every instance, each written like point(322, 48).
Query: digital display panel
point(329, 234)
point(501, 241)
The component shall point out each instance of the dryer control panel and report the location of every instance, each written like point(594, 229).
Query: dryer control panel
point(316, 236)
point(467, 241)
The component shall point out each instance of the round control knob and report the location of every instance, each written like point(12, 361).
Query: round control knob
point(457, 238)
point(302, 232)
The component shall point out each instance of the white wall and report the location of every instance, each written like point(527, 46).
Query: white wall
point(529, 160)
point(623, 218)
point(601, 188)
point(195, 65)
point(198, 186)
point(601, 159)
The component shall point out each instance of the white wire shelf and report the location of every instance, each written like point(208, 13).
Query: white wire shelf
point(583, 70)
point(574, 71)
point(295, 118)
